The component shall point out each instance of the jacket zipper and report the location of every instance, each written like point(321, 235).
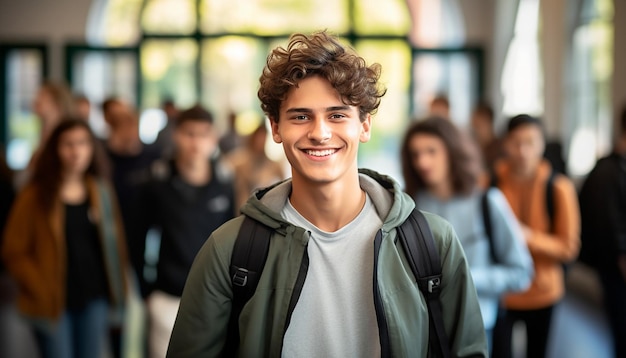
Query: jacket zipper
point(383, 329)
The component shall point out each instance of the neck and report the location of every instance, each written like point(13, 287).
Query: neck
point(620, 146)
point(73, 189)
point(46, 129)
point(194, 172)
point(72, 178)
point(487, 140)
point(442, 191)
point(328, 206)
point(121, 145)
point(524, 173)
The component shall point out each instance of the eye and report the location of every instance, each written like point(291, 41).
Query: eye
point(301, 117)
point(337, 116)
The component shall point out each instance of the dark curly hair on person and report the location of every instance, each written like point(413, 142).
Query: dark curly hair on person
point(463, 156)
point(319, 55)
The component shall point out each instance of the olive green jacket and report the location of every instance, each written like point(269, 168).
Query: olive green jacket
point(202, 321)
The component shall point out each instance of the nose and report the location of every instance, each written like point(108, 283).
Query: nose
point(320, 130)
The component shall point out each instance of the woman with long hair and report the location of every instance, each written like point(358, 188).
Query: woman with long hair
point(64, 245)
point(441, 170)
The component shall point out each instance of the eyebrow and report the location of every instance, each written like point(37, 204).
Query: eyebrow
point(328, 109)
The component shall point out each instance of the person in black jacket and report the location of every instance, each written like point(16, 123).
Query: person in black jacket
point(603, 214)
point(185, 199)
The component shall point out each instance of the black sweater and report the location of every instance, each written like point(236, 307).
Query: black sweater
point(185, 215)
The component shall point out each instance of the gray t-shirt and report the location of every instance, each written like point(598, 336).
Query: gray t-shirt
point(335, 315)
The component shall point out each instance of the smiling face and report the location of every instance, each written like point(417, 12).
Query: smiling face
point(320, 134)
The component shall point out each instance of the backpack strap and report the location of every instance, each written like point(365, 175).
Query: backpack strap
point(419, 245)
point(484, 203)
point(246, 265)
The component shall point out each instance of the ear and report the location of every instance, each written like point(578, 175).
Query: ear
point(366, 129)
point(275, 132)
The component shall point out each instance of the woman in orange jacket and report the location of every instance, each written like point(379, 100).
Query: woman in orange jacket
point(64, 246)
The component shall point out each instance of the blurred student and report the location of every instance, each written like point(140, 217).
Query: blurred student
point(83, 106)
point(441, 171)
point(165, 139)
point(439, 106)
point(130, 160)
point(8, 345)
point(482, 128)
point(603, 214)
point(230, 140)
point(186, 198)
point(52, 103)
point(546, 205)
point(7, 195)
point(64, 246)
point(252, 168)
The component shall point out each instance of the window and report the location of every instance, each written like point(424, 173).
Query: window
point(588, 109)
point(522, 86)
point(101, 72)
point(215, 50)
point(23, 70)
point(454, 72)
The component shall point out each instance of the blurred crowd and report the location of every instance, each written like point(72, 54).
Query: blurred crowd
point(92, 224)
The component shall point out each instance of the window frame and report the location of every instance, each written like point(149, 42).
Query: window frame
point(5, 50)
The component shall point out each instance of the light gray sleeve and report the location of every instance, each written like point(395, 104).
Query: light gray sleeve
point(513, 271)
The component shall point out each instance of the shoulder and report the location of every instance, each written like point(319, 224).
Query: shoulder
point(563, 185)
point(442, 230)
point(28, 194)
point(495, 197)
point(223, 238)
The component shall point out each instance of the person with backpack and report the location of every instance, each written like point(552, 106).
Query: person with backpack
point(603, 234)
point(337, 279)
point(185, 199)
point(546, 205)
point(441, 171)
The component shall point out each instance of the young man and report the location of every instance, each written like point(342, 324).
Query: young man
point(186, 199)
point(335, 283)
point(553, 238)
point(603, 213)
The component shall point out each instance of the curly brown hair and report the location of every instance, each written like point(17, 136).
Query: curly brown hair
point(463, 157)
point(319, 55)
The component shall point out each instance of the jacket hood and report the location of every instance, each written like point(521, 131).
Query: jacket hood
point(392, 204)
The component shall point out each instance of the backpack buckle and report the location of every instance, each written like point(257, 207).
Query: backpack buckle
point(240, 278)
point(434, 284)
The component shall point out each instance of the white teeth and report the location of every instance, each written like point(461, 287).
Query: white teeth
point(320, 153)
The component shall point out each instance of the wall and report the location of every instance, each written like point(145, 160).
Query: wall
point(479, 30)
point(52, 21)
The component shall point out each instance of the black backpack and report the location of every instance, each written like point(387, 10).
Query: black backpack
point(487, 212)
point(250, 253)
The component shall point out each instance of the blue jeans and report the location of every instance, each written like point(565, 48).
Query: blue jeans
point(79, 334)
